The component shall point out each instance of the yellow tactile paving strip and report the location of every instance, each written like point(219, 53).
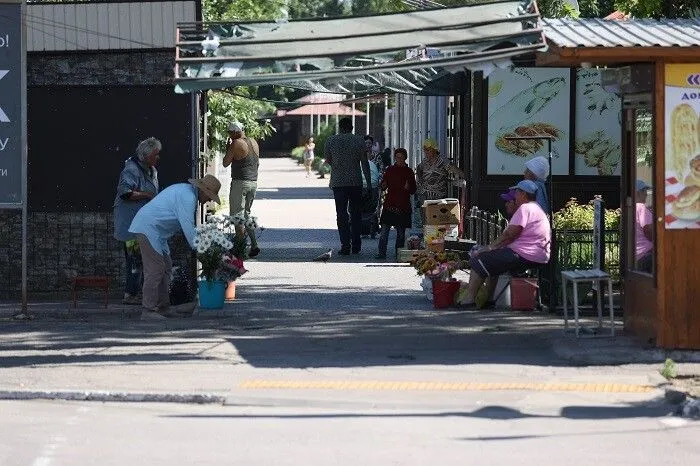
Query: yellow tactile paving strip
point(443, 386)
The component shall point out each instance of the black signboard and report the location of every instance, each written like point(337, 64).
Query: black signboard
point(11, 145)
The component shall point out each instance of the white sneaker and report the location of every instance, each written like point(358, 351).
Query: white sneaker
point(147, 314)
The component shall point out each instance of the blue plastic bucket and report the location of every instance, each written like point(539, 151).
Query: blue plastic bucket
point(212, 294)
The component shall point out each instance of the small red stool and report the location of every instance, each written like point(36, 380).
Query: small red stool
point(96, 282)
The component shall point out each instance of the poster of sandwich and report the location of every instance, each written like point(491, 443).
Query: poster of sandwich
point(598, 143)
point(682, 136)
point(527, 102)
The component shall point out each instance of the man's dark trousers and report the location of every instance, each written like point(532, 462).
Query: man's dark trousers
point(349, 199)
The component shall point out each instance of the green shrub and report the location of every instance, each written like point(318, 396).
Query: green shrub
point(575, 216)
point(320, 140)
point(298, 154)
point(669, 370)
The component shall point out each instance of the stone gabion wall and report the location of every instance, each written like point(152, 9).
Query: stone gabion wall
point(61, 246)
point(101, 68)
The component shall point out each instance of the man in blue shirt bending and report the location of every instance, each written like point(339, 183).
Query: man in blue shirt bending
point(172, 210)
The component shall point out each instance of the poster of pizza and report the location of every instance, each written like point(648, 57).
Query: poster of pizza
point(598, 134)
point(682, 151)
point(527, 102)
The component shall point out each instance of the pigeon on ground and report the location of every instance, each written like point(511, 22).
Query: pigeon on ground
point(325, 257)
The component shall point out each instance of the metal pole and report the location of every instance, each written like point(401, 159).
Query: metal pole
point(551, 192)
point(25, 155)
point(552, 271)
point(387, 143)
point(353, 114)
point(367, 119)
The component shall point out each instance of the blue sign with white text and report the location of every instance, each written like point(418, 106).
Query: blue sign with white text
point(10, 104)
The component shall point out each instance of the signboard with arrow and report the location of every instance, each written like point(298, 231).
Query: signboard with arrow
point(11, 121)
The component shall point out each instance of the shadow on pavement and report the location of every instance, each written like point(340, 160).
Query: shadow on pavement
point(503, 413)
point(359, 328)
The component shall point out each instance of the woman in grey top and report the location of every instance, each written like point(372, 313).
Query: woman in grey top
point(138, 184)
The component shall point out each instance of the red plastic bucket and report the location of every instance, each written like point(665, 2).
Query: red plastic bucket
point(444, 293)
point(523, 294)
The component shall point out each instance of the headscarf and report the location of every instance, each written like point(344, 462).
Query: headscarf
point(539, 166)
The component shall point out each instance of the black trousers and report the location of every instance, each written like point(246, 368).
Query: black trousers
point(348, 208)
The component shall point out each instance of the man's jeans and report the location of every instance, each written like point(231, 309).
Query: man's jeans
point(156, 276)
point(240, 200)
point(133, 272)
point(348, 208)
point(384, 238)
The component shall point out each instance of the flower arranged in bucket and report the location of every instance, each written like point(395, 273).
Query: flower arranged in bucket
point(437, 265)
point(220, 250)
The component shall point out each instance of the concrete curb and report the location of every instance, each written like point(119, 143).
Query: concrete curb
point(115, 397)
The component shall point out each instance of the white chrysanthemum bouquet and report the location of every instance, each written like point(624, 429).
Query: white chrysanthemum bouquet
point(219, 249)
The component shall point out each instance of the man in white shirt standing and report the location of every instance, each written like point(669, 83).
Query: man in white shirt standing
point(172, 210)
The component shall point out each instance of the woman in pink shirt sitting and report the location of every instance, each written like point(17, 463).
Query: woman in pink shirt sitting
point(525, 243)
point(643, 245)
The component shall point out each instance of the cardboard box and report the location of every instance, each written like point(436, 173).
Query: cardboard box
point(407, 255)
point(436, 245)
point(441, 212)
point(439, 232)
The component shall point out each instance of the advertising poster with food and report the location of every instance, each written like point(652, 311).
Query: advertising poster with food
point(527, 102)
point(598, 140)
point(682, 146)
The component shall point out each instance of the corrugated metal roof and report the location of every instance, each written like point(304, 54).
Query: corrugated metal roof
point(593, 32)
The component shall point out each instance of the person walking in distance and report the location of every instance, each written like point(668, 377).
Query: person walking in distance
point(309, 148)
point(347, 156)
point(243, 154)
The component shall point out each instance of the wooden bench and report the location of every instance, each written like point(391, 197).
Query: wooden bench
point(94, 282)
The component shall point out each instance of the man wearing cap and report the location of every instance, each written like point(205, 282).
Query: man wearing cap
point(537, 171)
point(243, 154)
point(643, 229)
point(172, 210)
point(523, 244)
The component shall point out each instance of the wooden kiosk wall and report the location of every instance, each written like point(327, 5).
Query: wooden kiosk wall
point(677, 251)
point(675, 321)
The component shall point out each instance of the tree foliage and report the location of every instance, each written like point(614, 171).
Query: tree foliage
point(660, 8)
point(224, 108)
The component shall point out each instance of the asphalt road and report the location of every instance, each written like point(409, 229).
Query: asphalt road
point(343, 363)
point(307, 428)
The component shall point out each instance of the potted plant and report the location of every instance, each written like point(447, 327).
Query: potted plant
point(439, 267)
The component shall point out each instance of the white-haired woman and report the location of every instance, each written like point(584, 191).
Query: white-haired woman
point(138, 184)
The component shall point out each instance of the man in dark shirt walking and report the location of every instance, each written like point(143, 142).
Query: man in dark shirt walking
point(346, 154)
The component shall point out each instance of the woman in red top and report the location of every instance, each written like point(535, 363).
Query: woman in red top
point(400, 182)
